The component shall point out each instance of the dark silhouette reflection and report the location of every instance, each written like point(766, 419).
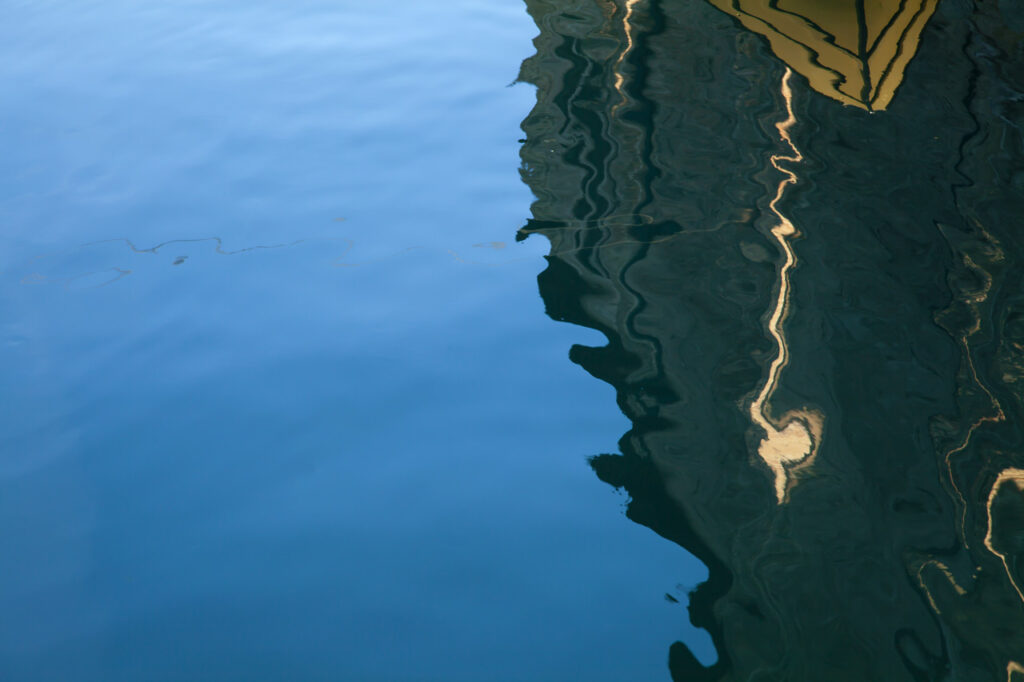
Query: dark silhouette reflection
point(815, 322)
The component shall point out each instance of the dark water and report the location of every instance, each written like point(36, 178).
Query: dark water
point(815, 322)
point(281, 401)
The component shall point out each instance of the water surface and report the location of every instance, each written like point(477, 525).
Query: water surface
point(796, 224)
point(283, 401)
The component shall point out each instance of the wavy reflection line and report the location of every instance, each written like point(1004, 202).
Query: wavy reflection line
point(946, 572)
point(1016, 477)
point(791, 441)
point(1011, 668)
point(974, 301)
point(154, 249)
point(39, 278)
point(620, 78)
point(217, 249)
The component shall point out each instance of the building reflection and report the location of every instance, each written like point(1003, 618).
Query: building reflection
point(760, 256)
point(855, 51)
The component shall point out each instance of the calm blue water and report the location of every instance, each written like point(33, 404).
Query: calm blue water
point(280, 397)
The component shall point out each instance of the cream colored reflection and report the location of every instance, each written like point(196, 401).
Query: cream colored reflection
point(1014, 477)
point(790, 442)
point(628, 29)
point(1013, 667)
point(946, 572)
point(851, 50)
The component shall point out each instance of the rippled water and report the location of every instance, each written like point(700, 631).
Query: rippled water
point(282, 400)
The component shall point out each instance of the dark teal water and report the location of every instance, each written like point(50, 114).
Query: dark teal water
point(287, 396)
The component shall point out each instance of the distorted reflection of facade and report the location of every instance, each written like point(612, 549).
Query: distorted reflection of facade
point(855, 51)
point(675, 177)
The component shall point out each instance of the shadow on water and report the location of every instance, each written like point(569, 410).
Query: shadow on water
point(798, 229)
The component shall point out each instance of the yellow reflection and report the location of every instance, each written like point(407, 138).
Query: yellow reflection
point(1011, 668)
point(1015, 477)
point(851, 50)
point(946, 572)
point(620, 79)
point(790, 442)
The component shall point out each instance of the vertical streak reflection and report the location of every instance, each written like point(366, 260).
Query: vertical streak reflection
point(620, 79)
point(791, 441)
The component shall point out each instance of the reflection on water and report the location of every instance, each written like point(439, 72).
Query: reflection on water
point(848, 283)
point(853, 50)
point(1011, 549)
point(99, 278)
point(789, 443)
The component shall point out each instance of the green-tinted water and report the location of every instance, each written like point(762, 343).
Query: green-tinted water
point(799, 228)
